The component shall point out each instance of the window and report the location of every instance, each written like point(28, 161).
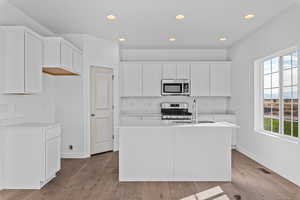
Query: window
point(279, 99)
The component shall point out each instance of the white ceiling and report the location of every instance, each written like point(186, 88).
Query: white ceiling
point(149, 23)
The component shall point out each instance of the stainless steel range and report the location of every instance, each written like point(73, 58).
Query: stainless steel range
point(175, 111)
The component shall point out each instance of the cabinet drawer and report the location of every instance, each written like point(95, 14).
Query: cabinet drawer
point(53, 132)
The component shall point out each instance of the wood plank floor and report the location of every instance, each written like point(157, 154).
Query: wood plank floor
point(97, 179)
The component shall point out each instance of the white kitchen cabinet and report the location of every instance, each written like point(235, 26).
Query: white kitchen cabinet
point(169, 71)
point(59, 57)
point(131, 77)
point(31, 155)
point(231, 119)
point(200, 79)
point(137, 148)
point(20, 60)
point(66, 55)
point(176, 71)
point(77, 62)
point(183, 71)
point(33, 63)
point(154, 151)
point(207, 78)
point(220, 79)
point(151, 79)
point(212, 149)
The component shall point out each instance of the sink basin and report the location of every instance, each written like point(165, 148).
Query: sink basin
point(191, 122)
point(206, 122)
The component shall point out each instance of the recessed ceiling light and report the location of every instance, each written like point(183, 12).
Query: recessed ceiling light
point(172, 39)
point(111, 17)
point(180, 17)
point(222, 38)
point(122, 39)
point(249, 16)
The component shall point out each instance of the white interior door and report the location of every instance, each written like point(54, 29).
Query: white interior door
point(101, 110)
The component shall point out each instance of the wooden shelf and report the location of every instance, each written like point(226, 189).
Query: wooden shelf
point(57, 71)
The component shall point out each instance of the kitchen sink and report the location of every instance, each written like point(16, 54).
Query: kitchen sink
point(191, 122)
point(206, 122)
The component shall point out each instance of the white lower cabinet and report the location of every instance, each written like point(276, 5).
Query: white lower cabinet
point(209, 161)
point(174, 153)
point(145, 144)
point(31, 155)
point(230, 119)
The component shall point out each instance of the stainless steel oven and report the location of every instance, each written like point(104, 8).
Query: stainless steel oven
point(175, 87)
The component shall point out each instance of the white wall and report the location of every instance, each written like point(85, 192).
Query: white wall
point(37, 108)
point(280, 33)
point(145, 105)
point(12, 16)
point(101, 53)
point(173, 54)
point(68, 98)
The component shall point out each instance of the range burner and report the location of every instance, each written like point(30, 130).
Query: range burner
point(175, 111)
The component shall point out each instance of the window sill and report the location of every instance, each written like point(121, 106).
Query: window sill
point(284, 138)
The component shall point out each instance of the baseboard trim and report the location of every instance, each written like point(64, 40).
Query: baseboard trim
point(260, 161)
point(74, 155)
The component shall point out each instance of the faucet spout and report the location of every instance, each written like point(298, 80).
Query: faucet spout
point(195, 114)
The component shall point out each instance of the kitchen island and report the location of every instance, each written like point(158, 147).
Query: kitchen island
point(155, 150)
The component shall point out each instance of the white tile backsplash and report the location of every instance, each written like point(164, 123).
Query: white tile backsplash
point(206, 105)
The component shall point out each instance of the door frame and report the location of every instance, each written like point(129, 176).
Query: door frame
point(86, 138)
point(112, 102)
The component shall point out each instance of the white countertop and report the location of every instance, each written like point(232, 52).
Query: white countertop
point(162, 123)
point(32, 125)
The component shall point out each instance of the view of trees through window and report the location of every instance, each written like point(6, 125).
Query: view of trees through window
point(281, 95)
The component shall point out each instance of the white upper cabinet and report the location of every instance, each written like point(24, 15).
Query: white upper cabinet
point(200, 80)
point(183, 71)
point(66, 55)
point(176, 71)
point(77, 62)
point(61, 57)
point(220, 79)
point(131, 75)
point(33, 63)
point(169, 71)
point(144, 79)
point(20, 60)
point(151, 79)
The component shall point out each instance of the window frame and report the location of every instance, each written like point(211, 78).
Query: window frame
point(259, 95)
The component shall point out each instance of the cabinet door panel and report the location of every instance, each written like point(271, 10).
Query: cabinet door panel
point(169, 71)
point(138, 145)
point(66, 55)
point(183, 71)
point(215, 165)
point(52, 156)
point(13, 66)
point(200, 79)
point(151, 79)
point(220, 79)
point(51, 52)
point(33, 64)
point(131, 79)
point(77, 62)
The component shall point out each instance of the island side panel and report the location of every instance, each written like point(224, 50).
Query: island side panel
point(146, 154)
point(203, 154)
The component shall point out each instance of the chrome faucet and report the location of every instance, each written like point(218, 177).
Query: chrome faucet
point(195, 114)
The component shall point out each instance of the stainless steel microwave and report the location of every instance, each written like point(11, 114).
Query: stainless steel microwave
point(175, 87)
